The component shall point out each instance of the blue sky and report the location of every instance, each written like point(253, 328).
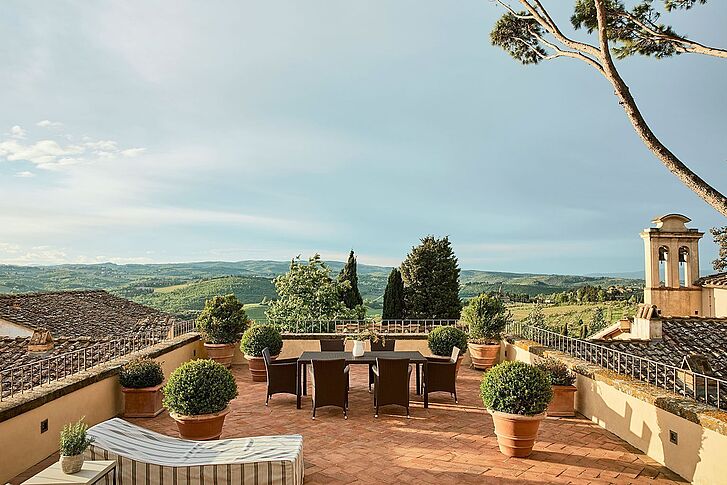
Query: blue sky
point(162, 131)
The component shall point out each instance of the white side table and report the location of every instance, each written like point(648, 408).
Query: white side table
point(92, 472)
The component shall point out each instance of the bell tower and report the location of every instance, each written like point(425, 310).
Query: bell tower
point(672, 266)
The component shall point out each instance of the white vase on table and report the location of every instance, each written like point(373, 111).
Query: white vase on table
point(358, 348)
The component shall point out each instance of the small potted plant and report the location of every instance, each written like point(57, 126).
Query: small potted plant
point(561, 381)
point(197, 395)
point(516, 394)
point(141, 382)
point(368, 335)
point(487, 318)
point(443, 339)
point(254, 340)
point(221, 324)
point(73, 443)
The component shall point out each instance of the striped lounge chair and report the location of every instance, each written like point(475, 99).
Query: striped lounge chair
point(146, 457)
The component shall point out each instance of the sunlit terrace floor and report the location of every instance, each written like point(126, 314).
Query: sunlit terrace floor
point(446, 443)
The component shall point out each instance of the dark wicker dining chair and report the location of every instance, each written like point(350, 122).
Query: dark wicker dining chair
point(440, 375)
point(380, 346)
point(281, 375)
point(329, 379)
point(332, 345)
point(391, 383)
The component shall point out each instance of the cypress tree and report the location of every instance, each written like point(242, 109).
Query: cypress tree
point(394, 297)
point(351, 297)
point(431, 278)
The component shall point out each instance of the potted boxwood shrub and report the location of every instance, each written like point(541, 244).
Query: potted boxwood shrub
point(487, 317)
point(561, 380)
point(141, 382)
point(221, 324)
point(197, 395)
point(254, 340)
point(73, 443)
point(516, 394)
point(443, 339)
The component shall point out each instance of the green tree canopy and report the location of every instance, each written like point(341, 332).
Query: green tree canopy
point(720, 238)
point(350, 295)
point(394, 297)
point(486, 316)
point(431, 279)
point(307, 293)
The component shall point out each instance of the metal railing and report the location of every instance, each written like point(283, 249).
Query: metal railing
point(702, 388)
point(420, 326)
point(22, 378)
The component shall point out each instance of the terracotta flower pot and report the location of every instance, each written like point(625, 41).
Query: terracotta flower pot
point(563, 403)
point(144, 402)
point(71, 464)
point(516, 434)
point(458, 365)
point(257, 367)
point(201, 427)
point(222, 353)
point(484, 356)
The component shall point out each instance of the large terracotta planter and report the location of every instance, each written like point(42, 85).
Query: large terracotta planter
point(221, 353)
point(516, 434)
point(257, 367)
point(144, 402)
point(563, 403)
point(202, 427)
point(484, 356)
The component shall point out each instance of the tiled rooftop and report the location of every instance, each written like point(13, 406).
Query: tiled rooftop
point(446, 443)
point(718, 279)
point(683, 337)
point(95, 313)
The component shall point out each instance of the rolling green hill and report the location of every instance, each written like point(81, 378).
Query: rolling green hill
point(181, 288)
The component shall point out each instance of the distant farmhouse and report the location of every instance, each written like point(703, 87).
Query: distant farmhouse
point(683, 321)
point(36, 326)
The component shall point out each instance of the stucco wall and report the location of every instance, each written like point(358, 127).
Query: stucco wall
point(21, 443)
point(10, 329)
point(699, 455)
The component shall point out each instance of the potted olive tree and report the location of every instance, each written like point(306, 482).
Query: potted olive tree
point(487, 318)
point(221, 324)
point(443, 339)
point(141, 382)
point(561, 380)
point(73, 443)
point(197, 395)
point(516, 394)
point(254, 340)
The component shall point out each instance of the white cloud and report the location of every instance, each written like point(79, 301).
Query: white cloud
point(48, 154)
point(49, 124)
point(18, 132)
point(132, 152)
point(25, 174)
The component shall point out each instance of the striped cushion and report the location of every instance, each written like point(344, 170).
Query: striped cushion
point(146, 457)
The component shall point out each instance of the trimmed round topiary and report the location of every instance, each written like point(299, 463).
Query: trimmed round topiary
point(222, 320)
point(558, 373)
point(443, 339)
point(257, 337)
point(516, 388)
point(141, 372)
point(199, 387)
point(487, 318)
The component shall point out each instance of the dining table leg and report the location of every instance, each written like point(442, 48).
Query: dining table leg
point(305, 379)
point(419, 380)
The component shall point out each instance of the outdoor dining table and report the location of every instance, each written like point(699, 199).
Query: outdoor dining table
point(368, 358)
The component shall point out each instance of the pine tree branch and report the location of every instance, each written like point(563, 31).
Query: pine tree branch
point(573, 54)
point(513, 12)
point(682, 44)
point(672, 163)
